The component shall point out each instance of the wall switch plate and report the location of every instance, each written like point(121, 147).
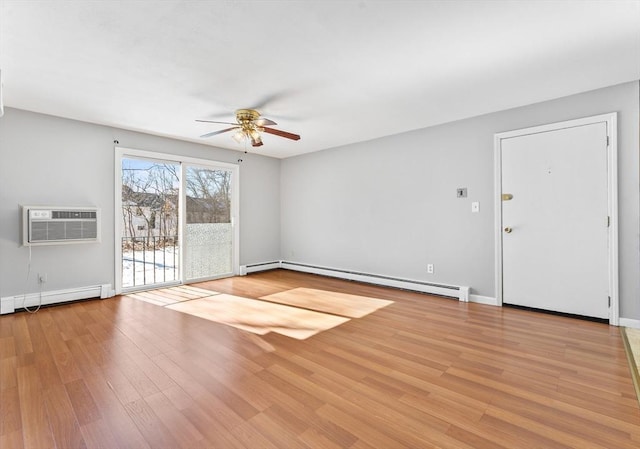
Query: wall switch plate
point(461, 192)
point(475, 206)
point(430, 268)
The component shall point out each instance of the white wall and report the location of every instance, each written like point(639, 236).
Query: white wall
point(389, 206)
point(50, 160)
point(386, 206)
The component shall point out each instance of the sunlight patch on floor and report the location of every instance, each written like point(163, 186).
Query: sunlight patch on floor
point(352, 306)
point(260, 317)
point(298, 313)
point(172, 295)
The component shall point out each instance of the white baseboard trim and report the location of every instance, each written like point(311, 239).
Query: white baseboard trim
point(453, 291)
point(9, 304)
point(628, 322)
point(106, 291)
point(483, 300)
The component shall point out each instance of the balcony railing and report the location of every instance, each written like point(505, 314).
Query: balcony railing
point(149, 260)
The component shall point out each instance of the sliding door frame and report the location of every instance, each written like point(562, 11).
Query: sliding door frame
point(123, 153)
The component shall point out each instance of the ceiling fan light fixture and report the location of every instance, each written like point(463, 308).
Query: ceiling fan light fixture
point(250, 126)
point(238, 136)
point(254, 134)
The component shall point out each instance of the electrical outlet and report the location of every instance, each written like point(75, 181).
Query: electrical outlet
point(430, 268)
point(42, 278)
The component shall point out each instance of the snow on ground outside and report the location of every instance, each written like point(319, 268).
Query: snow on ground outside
point(143, 266)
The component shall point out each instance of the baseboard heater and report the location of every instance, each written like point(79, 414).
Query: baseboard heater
point(453, 291)
point(10, 304)
point(264, 266)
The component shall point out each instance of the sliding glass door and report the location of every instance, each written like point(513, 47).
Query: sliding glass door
point(174, 220)
point(149, 236)
point(208, 232)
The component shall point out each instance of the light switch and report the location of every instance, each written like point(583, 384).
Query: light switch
point(475, 206)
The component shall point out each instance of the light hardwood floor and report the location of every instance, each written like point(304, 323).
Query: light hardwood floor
point(423, 372)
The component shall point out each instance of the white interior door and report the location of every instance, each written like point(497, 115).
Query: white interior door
point(555, 234)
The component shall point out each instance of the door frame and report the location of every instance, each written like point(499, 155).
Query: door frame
point(612, 186)
point(123, 152)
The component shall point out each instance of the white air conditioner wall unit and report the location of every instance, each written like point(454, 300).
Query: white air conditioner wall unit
point(56, 225)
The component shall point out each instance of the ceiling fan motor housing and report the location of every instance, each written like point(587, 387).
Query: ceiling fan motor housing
point(247, 115)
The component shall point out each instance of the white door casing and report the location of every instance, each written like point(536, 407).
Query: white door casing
point(559, 250)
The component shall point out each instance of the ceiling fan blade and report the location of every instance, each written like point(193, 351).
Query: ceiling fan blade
point(256, 142)
point(265, 122)
point(213, 121)
point(218, 132)
point(284, 134)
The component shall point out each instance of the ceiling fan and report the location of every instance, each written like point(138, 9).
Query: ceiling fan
point(248, 126)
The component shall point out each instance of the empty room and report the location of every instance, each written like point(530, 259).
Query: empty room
point(320, 224)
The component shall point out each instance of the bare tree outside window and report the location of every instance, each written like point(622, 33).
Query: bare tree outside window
point(209, 196)
point(150, 221)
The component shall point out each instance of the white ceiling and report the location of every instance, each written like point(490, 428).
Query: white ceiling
point(335, 72)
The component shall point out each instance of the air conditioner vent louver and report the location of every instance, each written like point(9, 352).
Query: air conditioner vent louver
point(72, 214)
point(59, 225)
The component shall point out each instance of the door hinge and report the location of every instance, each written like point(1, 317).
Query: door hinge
point(608, 221)
point(609, 300)
point(607, 141)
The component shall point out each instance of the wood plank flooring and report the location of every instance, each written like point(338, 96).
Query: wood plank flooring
point(423, 372)
point(631, 338)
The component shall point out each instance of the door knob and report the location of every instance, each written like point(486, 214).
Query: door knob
point(508, 230)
